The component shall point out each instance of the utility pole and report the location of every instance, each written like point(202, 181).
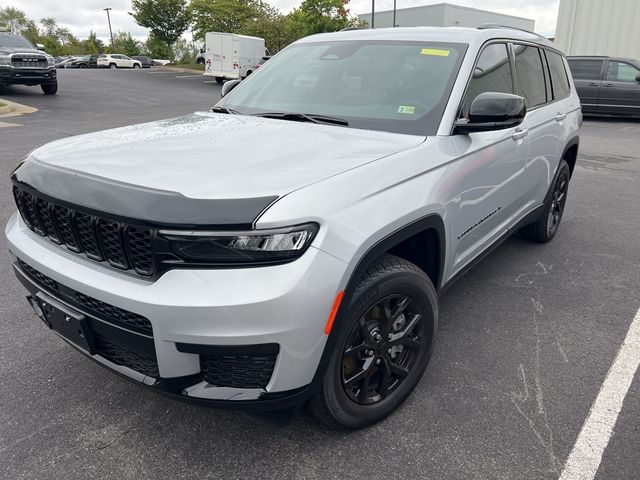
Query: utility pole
point(110, 31)
point(373, 13)
point(394, 13)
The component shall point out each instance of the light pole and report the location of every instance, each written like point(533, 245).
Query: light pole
point(373, 13)
point(110, 31)
point(394, 13)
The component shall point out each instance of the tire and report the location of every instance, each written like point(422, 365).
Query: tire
point(366, 347)
point(83, 66)
point(135, 65)
point(113, 66)
point(220, 80)
point(249, 72)
point(50, 88)
point(546, 227)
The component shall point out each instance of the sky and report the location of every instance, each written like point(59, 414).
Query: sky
point(82, 16)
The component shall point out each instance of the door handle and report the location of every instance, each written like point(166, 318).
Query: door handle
point(593, 84)
point(607, 84)
point(519, 134)
point(560, 116)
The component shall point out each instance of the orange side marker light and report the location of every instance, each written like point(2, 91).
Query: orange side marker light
point(333, 313)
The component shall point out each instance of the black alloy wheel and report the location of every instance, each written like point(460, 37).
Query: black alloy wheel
point(382, 349)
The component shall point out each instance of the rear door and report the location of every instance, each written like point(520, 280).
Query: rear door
point(587, 76)
point(229, 47)
point(620, 93)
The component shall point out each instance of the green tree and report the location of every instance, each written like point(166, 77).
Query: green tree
point(167, 19)
point(318, 16)
point(157, 48)
point(125, 43)
point(15, 20)
point(92, 44)
point(229, 16)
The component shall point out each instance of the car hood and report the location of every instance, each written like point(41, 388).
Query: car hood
point(210, 155)
point(10, 50)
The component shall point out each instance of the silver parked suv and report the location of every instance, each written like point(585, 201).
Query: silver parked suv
point(289, 246)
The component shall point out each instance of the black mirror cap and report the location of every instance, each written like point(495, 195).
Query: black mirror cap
point(493, 111)
point(228, 86)
point(638, 78)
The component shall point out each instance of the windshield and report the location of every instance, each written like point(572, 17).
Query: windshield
point(14, 41)
point(391, 86)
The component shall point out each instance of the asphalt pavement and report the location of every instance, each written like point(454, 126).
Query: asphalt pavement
point(526, 339)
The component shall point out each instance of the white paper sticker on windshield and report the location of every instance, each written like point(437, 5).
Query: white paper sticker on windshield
point(407, 109)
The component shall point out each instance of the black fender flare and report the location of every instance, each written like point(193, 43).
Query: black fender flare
point(431, 221)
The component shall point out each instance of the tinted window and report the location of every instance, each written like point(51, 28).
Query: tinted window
point(13, 41)
point(621, 72)
point(394, 86)
point(559, 79)
point(492, 74)
point(530, 75)
point(583, 69)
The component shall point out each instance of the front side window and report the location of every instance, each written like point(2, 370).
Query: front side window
point(491, 74)
point(622, 72)
point(583, 69)
point(559, 78)
point(530, 75)
point(395, 86)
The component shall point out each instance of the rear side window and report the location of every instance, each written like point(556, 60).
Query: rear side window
point(492, 74)
point(583, 69)
point(621, 72)
point(559, 79)
point(530, 75)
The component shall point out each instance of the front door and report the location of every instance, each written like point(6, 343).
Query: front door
point(491, 165)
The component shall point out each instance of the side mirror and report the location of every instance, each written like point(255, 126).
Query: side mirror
point(228, 86)
point(40, 46)
point(202, 50)
point(493, 111)
point(638, 78)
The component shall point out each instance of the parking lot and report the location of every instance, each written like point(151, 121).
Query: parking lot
point(525, 342)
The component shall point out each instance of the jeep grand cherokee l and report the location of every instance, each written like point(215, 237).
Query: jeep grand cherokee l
point(22, 64)
point(290, 245)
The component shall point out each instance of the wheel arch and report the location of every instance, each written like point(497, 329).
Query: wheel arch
point(401, 242)
point(570, 153)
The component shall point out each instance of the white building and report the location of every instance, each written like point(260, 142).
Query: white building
point(445, 15)
point(599, 27)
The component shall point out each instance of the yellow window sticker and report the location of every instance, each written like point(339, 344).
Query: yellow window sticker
point(407, 109)
point(435, 51)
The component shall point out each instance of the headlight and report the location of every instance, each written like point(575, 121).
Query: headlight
point(50, 61)
point(5, 60)
point(241, 248)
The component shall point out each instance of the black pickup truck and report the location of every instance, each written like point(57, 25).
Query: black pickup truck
point(23, 64)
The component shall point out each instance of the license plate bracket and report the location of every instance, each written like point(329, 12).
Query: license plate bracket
point(69, 323)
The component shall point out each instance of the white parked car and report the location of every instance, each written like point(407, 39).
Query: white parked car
point(115, 60)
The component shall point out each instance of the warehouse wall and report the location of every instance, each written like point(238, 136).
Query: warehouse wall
point(445, 15)
point(599, 27)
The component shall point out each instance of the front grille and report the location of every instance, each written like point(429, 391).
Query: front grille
point(29, 61)
point(121, 245)
point(93, 306)
point(240, 371)
point(127, 358)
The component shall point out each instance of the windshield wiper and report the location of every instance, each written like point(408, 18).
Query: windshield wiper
point(304, 117)
point(230, 111)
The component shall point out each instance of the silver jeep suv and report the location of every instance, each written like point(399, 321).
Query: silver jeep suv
point(289, 246)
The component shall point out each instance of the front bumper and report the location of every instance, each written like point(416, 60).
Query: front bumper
point(27, 76)
point(195, 311)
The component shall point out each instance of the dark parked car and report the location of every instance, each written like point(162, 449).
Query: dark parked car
point(88, 61)
point(607, 85)
point(147, 62)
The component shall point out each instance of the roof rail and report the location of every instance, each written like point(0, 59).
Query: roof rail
point(488, 26)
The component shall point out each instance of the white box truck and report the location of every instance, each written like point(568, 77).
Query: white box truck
point(230, 56)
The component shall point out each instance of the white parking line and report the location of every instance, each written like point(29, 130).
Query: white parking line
point(188, 76)
point(585, 458)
